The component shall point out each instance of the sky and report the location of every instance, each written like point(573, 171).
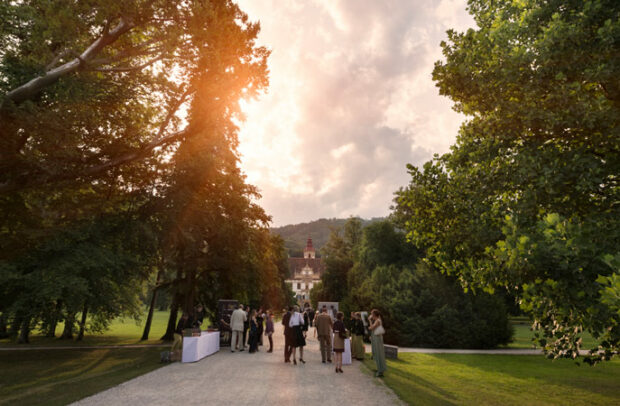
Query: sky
point(351, 101)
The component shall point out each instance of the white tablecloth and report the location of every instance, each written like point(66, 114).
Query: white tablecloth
point(196, 348)
point(346, 355)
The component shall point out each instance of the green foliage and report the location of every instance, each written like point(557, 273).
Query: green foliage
point(526, 201)
point(296, 235)
point(122, 163)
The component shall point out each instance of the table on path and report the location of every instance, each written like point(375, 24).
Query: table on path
point(196, 348)
point(241, 378)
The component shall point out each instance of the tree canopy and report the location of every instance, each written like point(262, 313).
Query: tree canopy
point(527, 199)
point(119, 162)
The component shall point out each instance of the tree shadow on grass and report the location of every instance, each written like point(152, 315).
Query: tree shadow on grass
point(411, 387)
point(601, 379)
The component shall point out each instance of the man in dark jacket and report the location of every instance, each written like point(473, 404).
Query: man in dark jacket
point(288, 335)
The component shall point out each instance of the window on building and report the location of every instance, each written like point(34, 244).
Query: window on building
point(298, 285)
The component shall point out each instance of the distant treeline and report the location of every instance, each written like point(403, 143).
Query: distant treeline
point(295, 236)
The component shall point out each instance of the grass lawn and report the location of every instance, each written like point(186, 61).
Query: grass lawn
point(59, 377)
point(454, 379)
point(121, 332)
point(523, 337)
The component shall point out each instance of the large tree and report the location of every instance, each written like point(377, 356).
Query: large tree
point(119, 152)
point(527, 200)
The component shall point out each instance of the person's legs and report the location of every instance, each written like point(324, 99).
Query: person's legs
point(323, 348)
point(380, 359)
point(329, 349)
point(294, 353)
point(301, 353)
point(287, 349)
point(233, 341)
point(178, 342)
point(270, 343)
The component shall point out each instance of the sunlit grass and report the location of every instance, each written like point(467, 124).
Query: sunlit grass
point(447, 379)
point(120, 332)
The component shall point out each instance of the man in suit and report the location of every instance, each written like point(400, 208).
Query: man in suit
point(324, 324)
point(288, 335)
point(237, 319)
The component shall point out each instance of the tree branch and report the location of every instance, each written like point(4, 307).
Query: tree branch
point(129, 68)
point(33, 87)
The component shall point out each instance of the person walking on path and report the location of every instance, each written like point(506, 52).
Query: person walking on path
point(357, 337)
point(299, 341)
point(376, 341)
point(288, 335)
point(323, 325)
point(269, 330)
point(253, 340)
point(237, 319)
point(340, 333)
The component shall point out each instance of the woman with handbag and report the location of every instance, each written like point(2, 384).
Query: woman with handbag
point(376, 341)
point(340, 333)
point(299, 341)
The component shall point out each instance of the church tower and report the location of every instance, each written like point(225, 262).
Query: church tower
point(309, 250)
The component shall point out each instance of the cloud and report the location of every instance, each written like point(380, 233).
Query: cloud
point(351, 102)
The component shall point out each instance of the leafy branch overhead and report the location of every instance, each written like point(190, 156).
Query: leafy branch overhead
point(527, 199)
point(106, 84)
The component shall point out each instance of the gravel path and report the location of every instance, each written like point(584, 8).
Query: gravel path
point(255, 379)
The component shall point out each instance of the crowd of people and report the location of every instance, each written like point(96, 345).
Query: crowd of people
point(249, 326)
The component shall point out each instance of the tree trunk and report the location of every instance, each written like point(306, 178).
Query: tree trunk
point(15, 326)
point(189, 292)
point(3, 326)
point(67, 333)
point(53, 321)
point(24, 332)
point(82, 323)
point(172, 321)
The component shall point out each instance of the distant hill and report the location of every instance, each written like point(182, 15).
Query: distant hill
point(296, 235)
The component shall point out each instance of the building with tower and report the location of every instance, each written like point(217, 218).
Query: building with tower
point(305, 273)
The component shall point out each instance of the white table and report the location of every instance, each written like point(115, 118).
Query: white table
point(196, 348)
point(346, 355)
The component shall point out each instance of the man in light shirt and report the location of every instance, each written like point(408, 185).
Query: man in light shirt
point(237, 319)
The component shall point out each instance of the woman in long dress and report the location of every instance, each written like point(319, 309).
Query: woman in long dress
point(253, 340)
point(357, 337)
point(376, 341)
point(299, 341)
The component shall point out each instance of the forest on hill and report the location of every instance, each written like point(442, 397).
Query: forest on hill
point(296, 235)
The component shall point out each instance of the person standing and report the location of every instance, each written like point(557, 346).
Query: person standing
point(299, 341)
point(269, 330)
point(376, 340)
point(246, 326)
point(357, 337)
point(323, 325)
point(199, 315)
point(287, 335)
point(253, 336)
point(237, 319)
point(260, 317)
point(340, 333)
point(183, 323)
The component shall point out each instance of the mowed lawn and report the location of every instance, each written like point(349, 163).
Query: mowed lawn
point(523, 338)
point(59, 377)
point(454, 379)
point(120, 332)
